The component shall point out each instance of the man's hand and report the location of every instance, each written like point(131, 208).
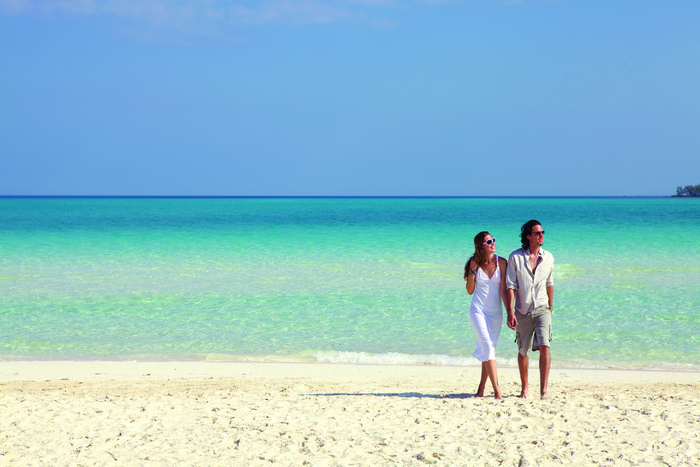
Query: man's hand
point(512, 321)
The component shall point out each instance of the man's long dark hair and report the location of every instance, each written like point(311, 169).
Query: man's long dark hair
point(525, 231)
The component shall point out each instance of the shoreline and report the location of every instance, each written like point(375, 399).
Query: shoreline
point(105, 370)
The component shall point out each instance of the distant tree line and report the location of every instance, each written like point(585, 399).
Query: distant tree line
point(688, 190)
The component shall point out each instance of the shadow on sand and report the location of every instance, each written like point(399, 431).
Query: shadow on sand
point(399, 394)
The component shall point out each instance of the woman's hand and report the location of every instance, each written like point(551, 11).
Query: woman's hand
point(471, 276)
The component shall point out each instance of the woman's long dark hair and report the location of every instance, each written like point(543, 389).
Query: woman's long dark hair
point(479, 254)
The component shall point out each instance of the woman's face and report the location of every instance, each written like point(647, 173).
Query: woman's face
point(489, 245)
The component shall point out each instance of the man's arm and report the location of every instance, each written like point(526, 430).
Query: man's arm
point(550, 287)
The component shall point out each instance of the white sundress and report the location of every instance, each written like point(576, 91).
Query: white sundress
point(486, 313)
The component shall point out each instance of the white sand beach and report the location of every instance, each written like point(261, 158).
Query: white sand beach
point(223, 413)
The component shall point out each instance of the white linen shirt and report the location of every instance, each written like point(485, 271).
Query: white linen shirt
point(530, 289)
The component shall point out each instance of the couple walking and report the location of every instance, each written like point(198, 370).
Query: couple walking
point(525, 280)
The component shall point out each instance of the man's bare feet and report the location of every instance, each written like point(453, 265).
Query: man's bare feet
point(498, 394)
point(523, 394)
point(544, 396)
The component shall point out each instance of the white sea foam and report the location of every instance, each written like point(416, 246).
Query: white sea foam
point(396, 358)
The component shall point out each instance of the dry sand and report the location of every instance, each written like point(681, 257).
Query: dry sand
point(216, 413)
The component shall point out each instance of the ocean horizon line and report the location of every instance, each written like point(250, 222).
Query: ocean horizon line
point(329, 197)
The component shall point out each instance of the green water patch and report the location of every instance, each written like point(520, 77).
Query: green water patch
point(627, 285)
point(239, 324)
point(568, 271)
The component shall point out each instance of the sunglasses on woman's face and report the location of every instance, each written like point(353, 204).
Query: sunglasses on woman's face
point(490, 241)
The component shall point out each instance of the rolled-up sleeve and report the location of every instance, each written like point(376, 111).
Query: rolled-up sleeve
point(512, 272)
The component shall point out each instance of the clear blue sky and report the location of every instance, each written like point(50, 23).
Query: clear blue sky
point(364, 97)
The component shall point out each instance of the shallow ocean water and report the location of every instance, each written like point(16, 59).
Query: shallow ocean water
point(358, 280)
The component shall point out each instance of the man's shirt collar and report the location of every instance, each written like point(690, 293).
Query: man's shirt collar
point(539, 253)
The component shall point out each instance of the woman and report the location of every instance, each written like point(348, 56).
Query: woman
point(485, 274)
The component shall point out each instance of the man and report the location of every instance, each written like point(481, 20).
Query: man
point(529, 282)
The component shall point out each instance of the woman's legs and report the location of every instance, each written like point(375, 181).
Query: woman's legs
point(488, 371)
point(493, 376)
point(482, 381)
point(486, 336)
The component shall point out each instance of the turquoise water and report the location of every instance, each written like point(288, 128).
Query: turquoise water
point(338, 280)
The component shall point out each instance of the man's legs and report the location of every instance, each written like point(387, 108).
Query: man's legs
point(545, 362)
point(542, 319)
point(523, 363)
point(523, 337)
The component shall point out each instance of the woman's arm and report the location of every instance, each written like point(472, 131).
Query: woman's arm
point(471, 276)
point(503, 266)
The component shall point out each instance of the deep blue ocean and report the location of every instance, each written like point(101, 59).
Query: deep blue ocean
point(354, 280)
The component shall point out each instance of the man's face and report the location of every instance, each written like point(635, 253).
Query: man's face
point(537, 236)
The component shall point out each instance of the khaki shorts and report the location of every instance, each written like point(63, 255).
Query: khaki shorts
point(539, 323)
